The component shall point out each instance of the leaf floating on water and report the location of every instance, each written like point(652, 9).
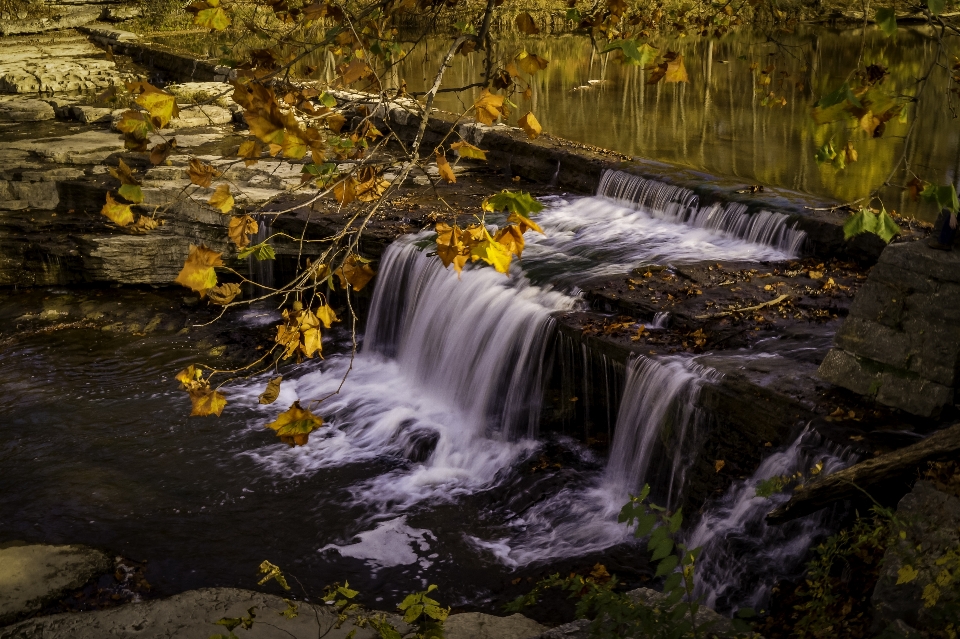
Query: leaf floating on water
point(197, 273)
point(119, 214)
point(293, 427)
point(224, 293)
point(240, 230)
point(222, 200)
point(446, 172)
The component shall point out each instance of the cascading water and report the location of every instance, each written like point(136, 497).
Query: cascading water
point(742, 556)
point(261, 271)
point(681, 205)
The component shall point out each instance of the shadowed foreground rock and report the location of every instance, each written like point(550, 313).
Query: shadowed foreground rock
point(32, 576)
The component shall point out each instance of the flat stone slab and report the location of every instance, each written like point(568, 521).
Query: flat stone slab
point(193, 614)
point(25, 111)
point(32, 576)
point(88, 147)
point(476, 625)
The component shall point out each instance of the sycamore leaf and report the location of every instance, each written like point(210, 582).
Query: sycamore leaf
point(529, 124)
point(346, 190)
point(467, 150)
point(272, 392)
point(189, 376)
point(446, 172)
point(492, 253)
point(633, 54)
point(221, 199)
point(119, 214)
point(224, 293)
point(355, 272)
point(326, 315)
point(161, 151)
point(945, 197)
point(450, 247)
point(526, 24)
point(887, 20)
point(489, 107)
point(250, 150)
point(123, 173)
point(136, 129)
point(531, 62)
point(511, 238)
point(289, 338)
point(145, 223)
point(867, 221)
point(131, 193)
point(356, 70)
point(676, 72)
point(206, 401)
point(161, 106)
point(517, 202)
point(240, 230)
point(214, 18)
point(311, 342)
point(886, 227)
point(294, 425)
point(200, 173)
point(197, 273)
point(261, 252)
point(294, 147)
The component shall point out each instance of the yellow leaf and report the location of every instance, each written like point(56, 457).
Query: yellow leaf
point(250, 150)
point(906, 574)
point(326, 315)
point(306, 321)
point(161, 106)
point(445, 171)
point(189, 376)
point(206, 401)
point(268, 129)
point(161, 151)
point(931, 594)
point(311, 342)
point(849, 152)
point(214, 18)
point(529, 124)
point(719, 464)
point(135, 125)
point(294, 425)
point(197, 273)
point(224, 293)
point(354, 272)
point(531, 62)
point(346, 190)
point(450, 247)
point(511, 238)
point(200, 173)
point(240, 230)
point(335, 121)
point(355, 70)
point(469, 151)
point(676, 72)
point(524, 222)
point(124, 174)
point(131, 193)
point(145, 223)
point(272, 392)
point(222, 200)
point(526, 24)
point(289, 338)
point(293, 146)
point(492, 253)
point(489, 107)
point(119, 214)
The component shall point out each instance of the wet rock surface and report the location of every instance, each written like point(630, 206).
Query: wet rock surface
point(33, 575)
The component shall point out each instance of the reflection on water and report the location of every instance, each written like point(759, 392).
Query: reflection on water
point(717, 121)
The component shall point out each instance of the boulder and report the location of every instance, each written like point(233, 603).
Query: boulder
point(91, 115)
point(476, 625)
point(194, 614)
point(931, 521)
point(25, 111)
point(33, 576)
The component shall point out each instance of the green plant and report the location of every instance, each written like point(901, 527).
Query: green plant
point(616, 614)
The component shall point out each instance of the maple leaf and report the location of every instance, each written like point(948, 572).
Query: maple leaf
point(197, 273)
point(119, 214)
point(206, 401)
point(268, 129)
point(222, 200)
point(335, 122)
point(446, 172)
point(467, 150)
point(200, 173)
point(529, 124)
point(489, 107)
point(326, 315)
point(136, 129)
point(356, 272)
point(224, 293)
point(272, 392)
point(240, 230)
point(294, 425)
point(294, 147)
point(161, 106)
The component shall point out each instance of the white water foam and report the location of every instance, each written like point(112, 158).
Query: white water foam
point(743, 557)
point(391, 543)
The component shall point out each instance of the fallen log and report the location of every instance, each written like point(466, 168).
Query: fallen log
point(852, 481)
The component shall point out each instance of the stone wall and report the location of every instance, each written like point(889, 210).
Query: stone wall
point(901, 341)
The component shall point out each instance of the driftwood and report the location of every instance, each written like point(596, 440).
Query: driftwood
point(851, 482)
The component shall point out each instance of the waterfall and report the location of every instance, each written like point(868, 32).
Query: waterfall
point(659, 427)
point(261, 271)
point(680, 205)
point(743, 557)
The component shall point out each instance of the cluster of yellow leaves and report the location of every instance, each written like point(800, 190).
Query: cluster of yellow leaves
point(300, 330)
point(949, 569)
point(294, 425)
point(274, 125)
point(205, 400)
point(119, 211)
point(355, 272)
point(366, 186)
